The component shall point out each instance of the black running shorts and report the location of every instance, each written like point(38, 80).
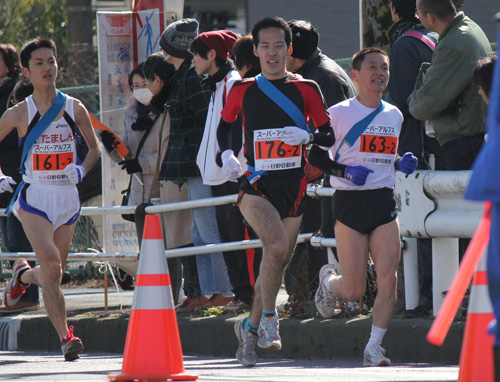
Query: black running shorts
point(286, 196)
point(364, 210)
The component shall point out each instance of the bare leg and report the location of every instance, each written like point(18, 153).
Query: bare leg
point(51, 249)
point(352, 250)
point(385, 249)
point(278, 239)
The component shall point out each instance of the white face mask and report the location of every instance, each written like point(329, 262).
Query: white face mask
point(143, 95)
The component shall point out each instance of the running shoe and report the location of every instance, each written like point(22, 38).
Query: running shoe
point(71, 346)
point(245, 354)
point(324, 299)
point(375, 356)
point(14, 289)
point(269, 337)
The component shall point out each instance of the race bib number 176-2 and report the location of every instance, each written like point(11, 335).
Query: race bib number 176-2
point(272, 154)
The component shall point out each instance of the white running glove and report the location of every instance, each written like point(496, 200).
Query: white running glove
point(5, 183)
point(75, 173)
point(294, 136)
point(231, 165)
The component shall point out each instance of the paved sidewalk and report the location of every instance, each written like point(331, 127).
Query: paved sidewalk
point(214, 336)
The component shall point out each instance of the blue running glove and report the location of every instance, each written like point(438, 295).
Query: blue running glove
point(357, 174)
point(408, 163)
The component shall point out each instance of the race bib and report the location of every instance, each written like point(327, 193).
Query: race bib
point(51, 154)
point(378, 145)
point(272, 154)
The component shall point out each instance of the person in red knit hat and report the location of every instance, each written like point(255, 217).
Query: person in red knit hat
point(211, 51)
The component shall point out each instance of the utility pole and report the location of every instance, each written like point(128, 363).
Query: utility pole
point(82, 61)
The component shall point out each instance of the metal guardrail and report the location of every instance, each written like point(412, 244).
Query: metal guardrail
point(430, 204)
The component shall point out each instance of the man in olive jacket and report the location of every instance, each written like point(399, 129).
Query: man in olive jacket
point(444, 92)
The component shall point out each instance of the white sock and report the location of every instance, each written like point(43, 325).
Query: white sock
point(376, 336)
point(326, 283)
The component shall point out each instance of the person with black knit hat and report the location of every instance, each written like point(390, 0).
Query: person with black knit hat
point(188, 107)
point(308, 61)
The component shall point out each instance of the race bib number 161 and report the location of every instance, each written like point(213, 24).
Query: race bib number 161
point(272, 154)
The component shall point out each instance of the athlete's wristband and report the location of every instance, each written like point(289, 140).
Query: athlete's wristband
point(338, 170)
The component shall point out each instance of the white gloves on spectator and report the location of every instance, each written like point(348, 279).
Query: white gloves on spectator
point(75, 173)
point(231, 165)
point(5, 183)
point(294, 136)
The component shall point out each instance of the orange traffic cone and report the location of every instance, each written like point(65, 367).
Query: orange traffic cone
point(153, 347)
point(476, 356)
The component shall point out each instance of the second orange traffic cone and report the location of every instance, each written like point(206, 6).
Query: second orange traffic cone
point(476, 356)
point(153, 347)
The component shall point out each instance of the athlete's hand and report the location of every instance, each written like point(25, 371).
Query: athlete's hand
point(75, 173)
point(231, 165)
point(294, 136)
point(408, 163)
point(357, 174)
point(108, 140)
point(5, 183)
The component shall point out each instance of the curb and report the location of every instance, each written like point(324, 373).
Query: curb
point(320, 339)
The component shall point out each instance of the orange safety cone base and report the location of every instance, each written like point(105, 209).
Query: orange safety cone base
point(145, 378)
point(155, 347)
point(476, 357)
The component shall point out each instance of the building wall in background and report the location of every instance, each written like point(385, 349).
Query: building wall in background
point(338, 20)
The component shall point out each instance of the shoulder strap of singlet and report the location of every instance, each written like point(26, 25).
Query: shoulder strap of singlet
point(282, 101)
point(39, 127)
point(358, 129)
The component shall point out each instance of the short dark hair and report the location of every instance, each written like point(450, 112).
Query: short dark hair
point(405, 9)
point(22, 90)
point(442, 9)
point(271, 22)
point(11, 59)
point(198, 47)
point(359, 57)
point(483, 73)
point(243, 53)
point(32, 45)
point(136, 70)
point(157, 65)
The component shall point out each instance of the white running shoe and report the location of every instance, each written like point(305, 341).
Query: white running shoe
point(14, 290)
point(375, 356)
point(324, 299)
point(269, 337)
point(245, 354)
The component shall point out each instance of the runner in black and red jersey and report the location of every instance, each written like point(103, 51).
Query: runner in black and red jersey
point(275, 107)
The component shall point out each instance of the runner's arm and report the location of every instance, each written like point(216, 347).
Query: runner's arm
point(82, 120)
point(11, 120)
point(319, 158)
point(324, 136)
point(224, 135)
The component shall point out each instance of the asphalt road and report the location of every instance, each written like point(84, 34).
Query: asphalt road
point(22, 366)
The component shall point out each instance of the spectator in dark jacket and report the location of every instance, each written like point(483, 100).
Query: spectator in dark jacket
point(308, 61)
point(412, 45)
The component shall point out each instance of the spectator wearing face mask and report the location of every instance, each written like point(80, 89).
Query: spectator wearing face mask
point(140, 134)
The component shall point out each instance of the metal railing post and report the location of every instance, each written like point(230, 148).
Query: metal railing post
point(410, 267)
